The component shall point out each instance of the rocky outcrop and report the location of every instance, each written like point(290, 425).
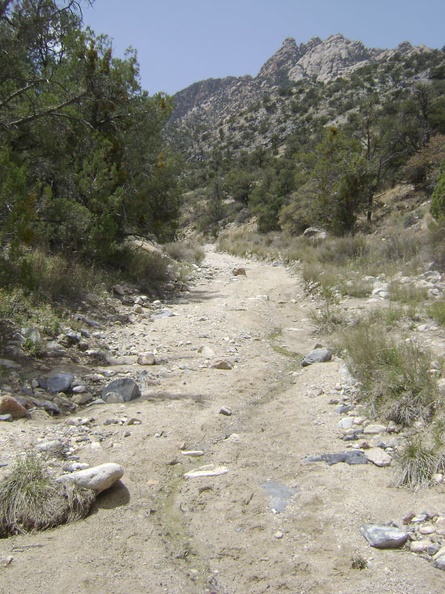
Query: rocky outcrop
point(213, 110)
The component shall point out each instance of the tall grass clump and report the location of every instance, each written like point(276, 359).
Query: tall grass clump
point(396, 374)
point(31, 500)
point(407, 293)
point(18, 308)
point(55, 278)
point(422, 456)
point(185, 251)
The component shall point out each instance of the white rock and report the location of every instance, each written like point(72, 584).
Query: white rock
point(205, 471)
point(345, 423)
point(193, 453)
point(98, 478)
point(374, 429)
point(378, 457)
point(418, 546)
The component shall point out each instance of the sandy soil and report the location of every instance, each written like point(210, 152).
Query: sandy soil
point(269, 524)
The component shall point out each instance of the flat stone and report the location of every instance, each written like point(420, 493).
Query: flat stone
point(374, 429)
point(425, 530)
point(206, 471)
point(350, 457)
point(378, 457)
point(52, 447)
point(419, 546)
point(98, 478)
point(384, 537)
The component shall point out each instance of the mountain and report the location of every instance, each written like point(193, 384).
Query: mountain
point(298, 81)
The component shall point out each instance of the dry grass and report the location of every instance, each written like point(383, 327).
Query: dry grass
point(31, 500)
point(421, 458)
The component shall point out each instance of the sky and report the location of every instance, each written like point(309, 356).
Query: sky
point(180, 42)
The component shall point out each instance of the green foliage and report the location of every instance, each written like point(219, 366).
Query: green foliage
point(438, 198)
point(82, 161)
point(437, 312)
point(332, 185)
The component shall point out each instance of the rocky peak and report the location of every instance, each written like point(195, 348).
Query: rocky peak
point(328, 59)
point(281, 61)
point(209, 110)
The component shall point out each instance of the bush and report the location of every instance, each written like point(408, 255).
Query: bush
point(417, 463)
point(184, 251)
point(396, 375)
point(31, 500)
point(47, 276)
point(437, 312)
point(438, 198)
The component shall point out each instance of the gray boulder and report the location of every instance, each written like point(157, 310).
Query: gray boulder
point(384, 537)
point(125, 387)
point(318, 355)
point(60, 382)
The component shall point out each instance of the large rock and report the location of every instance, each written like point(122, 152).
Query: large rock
point(384, 537)
point(98, 478)
point(125, 387)
point(319, 355)
point(378, 457)
point(10, 406)
point(60, 382)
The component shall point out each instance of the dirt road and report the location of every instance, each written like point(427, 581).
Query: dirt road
point(266, 522)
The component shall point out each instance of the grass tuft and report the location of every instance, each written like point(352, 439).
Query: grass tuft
point(419, 461)
point(31, 500)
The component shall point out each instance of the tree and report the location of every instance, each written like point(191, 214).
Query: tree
point(82, 140)
point(331, 182)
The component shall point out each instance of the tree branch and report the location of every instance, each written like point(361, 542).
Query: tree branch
point(21, 91)
point(45, 112)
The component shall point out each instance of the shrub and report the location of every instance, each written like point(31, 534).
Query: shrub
point(31, 500)
point(419, 460)
point(438, 198)
point(437, 311)
point(396, 375)
point(184, 251)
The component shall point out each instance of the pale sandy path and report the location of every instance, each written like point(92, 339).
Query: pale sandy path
point(160, 533)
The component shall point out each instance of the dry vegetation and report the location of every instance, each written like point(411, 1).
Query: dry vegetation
point(399, 384)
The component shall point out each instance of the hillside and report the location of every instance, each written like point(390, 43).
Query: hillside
point(322, 79)
point(321, 130)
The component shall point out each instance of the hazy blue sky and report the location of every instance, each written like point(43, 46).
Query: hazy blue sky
point(180, 42)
